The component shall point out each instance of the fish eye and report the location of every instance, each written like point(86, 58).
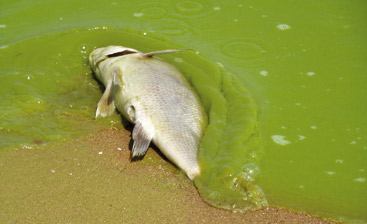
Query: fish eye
point(120, 53)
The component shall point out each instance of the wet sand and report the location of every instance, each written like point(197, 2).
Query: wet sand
point(92, 180)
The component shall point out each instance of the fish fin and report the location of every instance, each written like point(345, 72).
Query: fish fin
point(151, 54)
point(116, 79)
point(106, 105)
point(141, 140)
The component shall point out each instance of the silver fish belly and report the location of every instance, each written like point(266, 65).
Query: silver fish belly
point(154, 96)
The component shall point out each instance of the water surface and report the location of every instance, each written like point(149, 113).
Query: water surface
point(304, 64)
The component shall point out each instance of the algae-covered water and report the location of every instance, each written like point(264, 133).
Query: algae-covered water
point(302, 63)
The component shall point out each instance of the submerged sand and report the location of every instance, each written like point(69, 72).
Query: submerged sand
point(92, 180)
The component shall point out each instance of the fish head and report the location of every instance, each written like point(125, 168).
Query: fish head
point(98, 59)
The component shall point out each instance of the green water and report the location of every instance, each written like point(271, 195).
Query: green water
point(304, 64)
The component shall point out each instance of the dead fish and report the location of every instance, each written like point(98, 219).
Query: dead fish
point(155, 96)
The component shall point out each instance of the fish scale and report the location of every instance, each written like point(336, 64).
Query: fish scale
point(156, 97)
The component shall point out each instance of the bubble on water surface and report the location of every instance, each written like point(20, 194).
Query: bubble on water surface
point(3, 47)
point(330, 172)
point(301, 137)
point(283, 27)
point(264, 73)
point(280, 140)
point(3, 26)
point(310, 73)
point(83, 49)
point(360, 179)
point(97, 28)
point(250, 171)
point(339, 161)
point(216, 8)
point(26, 147)
point(138, 14)
point(313, 127)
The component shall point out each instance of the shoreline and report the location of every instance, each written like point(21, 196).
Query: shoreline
point(91, 179)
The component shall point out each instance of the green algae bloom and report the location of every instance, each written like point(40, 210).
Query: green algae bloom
point(56, 101)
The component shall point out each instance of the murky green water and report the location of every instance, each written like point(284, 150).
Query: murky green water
point(303, 63)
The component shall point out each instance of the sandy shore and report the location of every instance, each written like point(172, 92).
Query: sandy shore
point(91, 180)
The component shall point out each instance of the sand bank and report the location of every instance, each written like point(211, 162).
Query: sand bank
point(92, 180)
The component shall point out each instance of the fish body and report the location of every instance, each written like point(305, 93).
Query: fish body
point(155, 96)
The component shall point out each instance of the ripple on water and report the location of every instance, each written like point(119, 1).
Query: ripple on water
point(250, 50)
point(169, 27)
point(149, 11)
point(189, 7)
point(200, 9)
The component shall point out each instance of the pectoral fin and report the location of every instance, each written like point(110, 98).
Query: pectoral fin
point(106, 105)
point(116, 77)
point(141, 140)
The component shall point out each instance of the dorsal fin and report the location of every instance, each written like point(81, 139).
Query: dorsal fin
point(151, 54)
